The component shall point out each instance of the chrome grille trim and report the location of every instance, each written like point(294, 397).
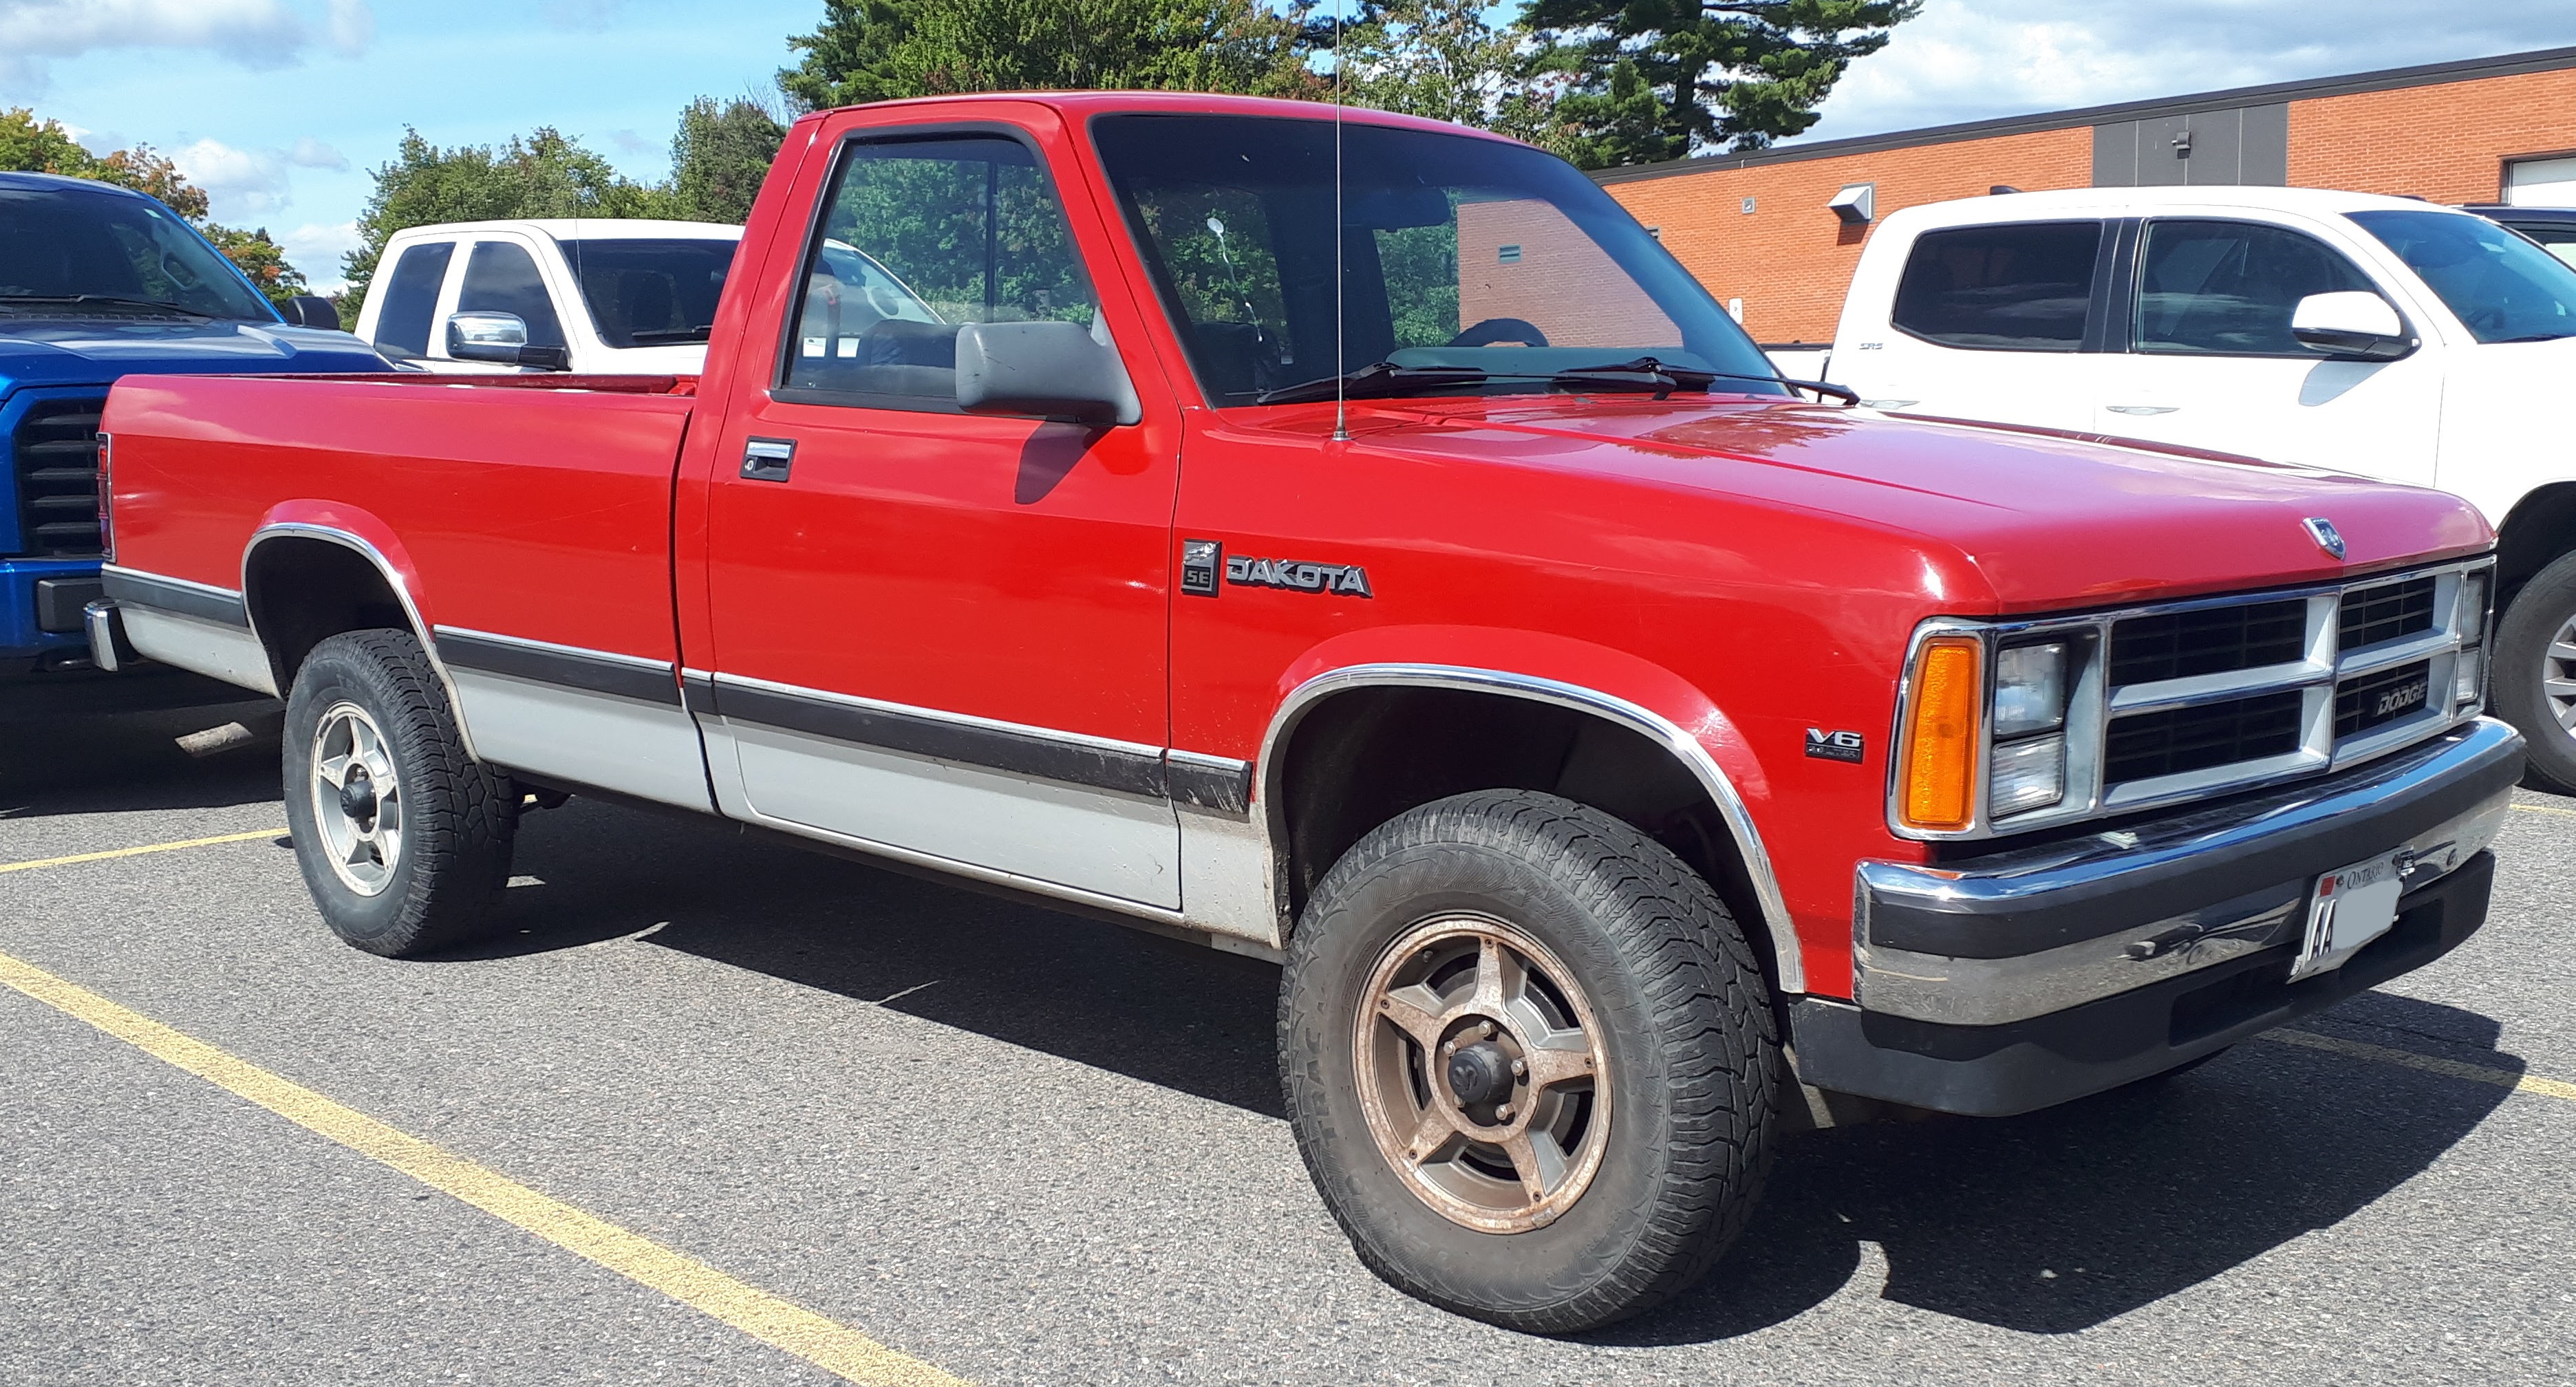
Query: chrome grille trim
point(2095, 703)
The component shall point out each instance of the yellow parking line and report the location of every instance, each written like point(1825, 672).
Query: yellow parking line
point(827, 1344)
point(2546, 809)
point(138, 852)
point(2477, 1073)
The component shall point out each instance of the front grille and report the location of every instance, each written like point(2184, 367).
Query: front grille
point(2375, 700)
point(2182, 740)
point(2208, 640)
point(56, 461)
point(2387, 613)
point(2182, 701)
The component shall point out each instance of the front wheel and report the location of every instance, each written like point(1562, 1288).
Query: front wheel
point(2533, 684)
point(404, 840)
point(1529, 1059)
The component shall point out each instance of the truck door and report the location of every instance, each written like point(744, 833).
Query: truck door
point(940, 633)
point(2211, 362)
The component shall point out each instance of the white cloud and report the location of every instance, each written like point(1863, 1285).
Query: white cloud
point(253, 33)
point(310, 153)
point(631, 142)
point(240, 184)
point(316, 248)
point(1972, 59)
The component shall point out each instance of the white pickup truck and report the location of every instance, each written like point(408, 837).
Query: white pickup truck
point(2375, 335)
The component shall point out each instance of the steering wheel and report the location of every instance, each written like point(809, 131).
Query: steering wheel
point(1493, 330)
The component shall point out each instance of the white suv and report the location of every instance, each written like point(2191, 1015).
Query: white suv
point(2378, 335)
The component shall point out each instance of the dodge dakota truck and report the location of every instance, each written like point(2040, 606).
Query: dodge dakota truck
point(97, 281)
point(1360, 543)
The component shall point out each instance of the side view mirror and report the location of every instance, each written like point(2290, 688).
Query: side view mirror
point(2354, 324)
point(502, 338)
point(310, 310)
point(1054, 370)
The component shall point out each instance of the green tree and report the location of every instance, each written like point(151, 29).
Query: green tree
point(542, 174)
point(32, 145)
point(876, 50)
point(1444, 60)
point(1730, 73)
point(719, 158)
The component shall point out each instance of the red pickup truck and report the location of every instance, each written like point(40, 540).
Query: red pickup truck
point(1362, 544)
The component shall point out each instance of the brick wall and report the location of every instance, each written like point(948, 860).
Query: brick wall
point(1790, 259)
point(2447, 142)
point(1558, 280)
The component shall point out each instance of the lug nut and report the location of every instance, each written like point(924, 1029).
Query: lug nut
point(1503, 1113)
point(1484, 1030)
point(1519, 1068)
point(1448, 1047)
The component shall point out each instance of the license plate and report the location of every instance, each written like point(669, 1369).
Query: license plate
point(2347, 910)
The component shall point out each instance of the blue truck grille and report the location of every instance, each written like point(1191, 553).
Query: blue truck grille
point(55, 459)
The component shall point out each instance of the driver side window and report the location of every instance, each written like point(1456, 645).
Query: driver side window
point(918, 237)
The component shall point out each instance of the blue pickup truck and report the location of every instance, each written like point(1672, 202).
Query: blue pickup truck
point(98, 282)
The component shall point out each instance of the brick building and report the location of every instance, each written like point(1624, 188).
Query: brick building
point(1759, 229)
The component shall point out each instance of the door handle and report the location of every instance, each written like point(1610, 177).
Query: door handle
point(2118, 409)
point(767, 459)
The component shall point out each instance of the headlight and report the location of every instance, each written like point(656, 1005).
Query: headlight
point(2026, 775)
point(2030, 689)
point(2471, 618)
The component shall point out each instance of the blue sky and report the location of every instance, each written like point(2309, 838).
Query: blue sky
point(280, 107)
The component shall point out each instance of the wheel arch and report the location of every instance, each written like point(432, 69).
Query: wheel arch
point(2539, 529)
point(304, 580)
point(1282, 773)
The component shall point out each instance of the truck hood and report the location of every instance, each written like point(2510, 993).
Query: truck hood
point(46, 352)
point(2041, 520)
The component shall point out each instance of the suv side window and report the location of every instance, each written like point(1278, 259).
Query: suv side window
point(411, 299)
point(917, 237)
point(2228, 288)
point(2020, 287)
point(501, 277)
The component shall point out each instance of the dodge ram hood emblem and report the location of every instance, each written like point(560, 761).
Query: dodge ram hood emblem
point(2324, 533)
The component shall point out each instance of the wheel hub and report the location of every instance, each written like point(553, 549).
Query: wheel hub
point(1479, 1074)
point(358, 796)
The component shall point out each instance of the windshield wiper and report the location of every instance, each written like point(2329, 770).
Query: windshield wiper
point(672, 334)
point(1377, 379)
point(1693, 378)
point(109, 300)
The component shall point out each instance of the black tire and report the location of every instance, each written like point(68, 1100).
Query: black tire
point(442, 886)
point(1686, 1026)
point(2544, 608)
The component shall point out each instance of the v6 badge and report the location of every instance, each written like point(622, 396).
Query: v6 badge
point(1834, 746)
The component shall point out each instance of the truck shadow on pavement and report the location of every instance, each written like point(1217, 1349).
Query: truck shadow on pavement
point(2047, 1223)
point(134, 761)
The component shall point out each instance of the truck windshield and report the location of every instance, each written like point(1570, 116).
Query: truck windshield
point(657, 293)
point(1468, 265)
point(2504, 288)
point(69, 251)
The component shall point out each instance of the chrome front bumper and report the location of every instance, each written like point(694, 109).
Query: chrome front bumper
point(2028, 932)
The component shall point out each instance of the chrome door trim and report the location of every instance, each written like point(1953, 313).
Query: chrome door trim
point(1653, 725)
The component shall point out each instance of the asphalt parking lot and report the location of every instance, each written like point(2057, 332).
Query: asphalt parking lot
point(1017, 1147)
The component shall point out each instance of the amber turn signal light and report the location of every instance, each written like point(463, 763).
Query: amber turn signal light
point(1938, 790)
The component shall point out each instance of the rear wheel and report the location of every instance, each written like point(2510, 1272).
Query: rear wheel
point(2533, 684)
point(404, 840)
point(1530, 1061)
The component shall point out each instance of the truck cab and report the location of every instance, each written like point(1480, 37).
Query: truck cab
point(2354, 333)
point(96, 282)
point(593, 296)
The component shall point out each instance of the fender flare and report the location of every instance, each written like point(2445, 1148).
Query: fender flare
point(1311, 692)
point(337, 525)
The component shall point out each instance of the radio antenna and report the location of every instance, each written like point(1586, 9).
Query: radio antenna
point(1341, 361)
